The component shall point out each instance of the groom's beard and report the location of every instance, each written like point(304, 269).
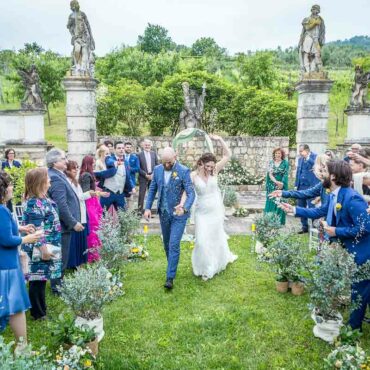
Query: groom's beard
point(168, 167)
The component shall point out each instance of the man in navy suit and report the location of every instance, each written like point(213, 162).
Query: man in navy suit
point(132, 162)
point(170, 181)
point(62, 193)
point(305, 179)
point(348, 221)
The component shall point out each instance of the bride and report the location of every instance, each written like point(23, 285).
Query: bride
point(211, 253)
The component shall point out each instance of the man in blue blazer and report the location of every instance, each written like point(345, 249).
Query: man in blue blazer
point(348, 221)
point(62, 193)
point(132, 163)
point(170, 181)
point(305, 179)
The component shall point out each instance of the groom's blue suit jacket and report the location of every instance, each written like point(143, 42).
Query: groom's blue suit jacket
point(352, 222)
point(179, 182)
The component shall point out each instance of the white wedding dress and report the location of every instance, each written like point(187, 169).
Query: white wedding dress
point(211, 253)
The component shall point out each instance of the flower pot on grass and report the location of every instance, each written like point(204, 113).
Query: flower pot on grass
point(329, 329)
point(94, 346)
point(297, 288)
point(96, 324)
point(282, 286)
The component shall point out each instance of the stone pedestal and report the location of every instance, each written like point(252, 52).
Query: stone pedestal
point(81, 116)
point(358, 129)
point(23, 130)
point(313, 113)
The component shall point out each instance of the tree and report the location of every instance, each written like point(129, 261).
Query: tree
point(51, 68)
point(122, 109)
point(155, 40)
point(33, 48)
point(207, 46)
point(258, 70)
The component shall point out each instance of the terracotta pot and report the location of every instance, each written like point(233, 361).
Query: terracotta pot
point(94, 346)
point(297, 288)
point(96, 324)
point(282, 286)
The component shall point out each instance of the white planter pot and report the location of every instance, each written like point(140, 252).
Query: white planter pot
point(96, 324)
point(229, 211)
point(260, 249)
point(326, 330)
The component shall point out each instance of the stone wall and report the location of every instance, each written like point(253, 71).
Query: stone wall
point(253, 152)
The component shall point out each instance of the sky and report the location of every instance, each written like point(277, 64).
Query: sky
point(237, 25)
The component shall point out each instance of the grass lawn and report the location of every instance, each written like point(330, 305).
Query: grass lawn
point(235, 321)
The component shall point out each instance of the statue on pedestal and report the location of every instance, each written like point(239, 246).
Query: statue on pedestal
point(191, 115)
point(82, 41)
point(32, 97)
point(359, 89)
point(311, 41)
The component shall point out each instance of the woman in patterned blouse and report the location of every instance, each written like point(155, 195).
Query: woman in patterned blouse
point(44, 256)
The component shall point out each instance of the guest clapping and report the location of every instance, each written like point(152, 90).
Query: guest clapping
point(14, 298)
point(45, 257)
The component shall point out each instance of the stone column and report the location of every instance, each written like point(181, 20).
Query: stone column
point(313, 113)
point(81, 116)
point(358, 129)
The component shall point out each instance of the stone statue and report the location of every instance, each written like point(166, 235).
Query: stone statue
point(82, 41)
point(359, 89)
point(191, 115)
point(32, 97)
point(311, 41)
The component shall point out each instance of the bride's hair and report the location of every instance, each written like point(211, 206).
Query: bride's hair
point(205, 158)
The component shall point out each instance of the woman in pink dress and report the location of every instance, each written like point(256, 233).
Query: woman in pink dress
point(94, 210)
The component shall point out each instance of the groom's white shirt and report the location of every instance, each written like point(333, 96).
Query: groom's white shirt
point(167, 176)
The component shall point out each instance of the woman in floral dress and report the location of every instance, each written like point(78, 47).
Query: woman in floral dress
point(45, 261)
point(276, 179)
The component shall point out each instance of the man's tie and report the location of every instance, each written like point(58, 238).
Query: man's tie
point(329, 216)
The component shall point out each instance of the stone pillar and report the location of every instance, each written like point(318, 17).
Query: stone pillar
point(81, 116)
point(358, 129)
point(313, 113)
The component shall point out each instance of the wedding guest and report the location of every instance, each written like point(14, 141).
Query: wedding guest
point(45, 256)
point(148, 159)
point(330, 154)
point(115, 180)
point(276, 179)
point(305, 179)
point(101, 154)
point(355, 148)
point(133, 165)
point(78, 244)
point(62, 193)
point(110, 146)
point(359, 169)
point(347, 221)
point(14, 298)
point(87, 181)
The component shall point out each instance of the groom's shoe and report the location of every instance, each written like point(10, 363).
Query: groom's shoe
point(168, 284)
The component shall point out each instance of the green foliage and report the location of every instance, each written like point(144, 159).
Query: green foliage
point(235, 174)
point(346, 357)
point(207, 46)
point(155, 40)
point(363, 62)
point(230, 197)
point(64, 331)
point(267, 228)
point(349, 336)
point(258, 70)
point(241, 212)
point(89, 289)
point(18, 176)
point(129, 223)
point(121, 109)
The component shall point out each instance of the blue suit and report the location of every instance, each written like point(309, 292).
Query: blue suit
point(133, 165)
point(305, 179)
point(169, 196)
point(352, 224)
point(5, 164)
point(316, 191)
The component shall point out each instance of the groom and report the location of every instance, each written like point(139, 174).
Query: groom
point(171, 180)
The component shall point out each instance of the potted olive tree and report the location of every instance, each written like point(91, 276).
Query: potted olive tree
point(87, 291)
point(267, 229)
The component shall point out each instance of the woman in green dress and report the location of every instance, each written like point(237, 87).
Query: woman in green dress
point(276, 179)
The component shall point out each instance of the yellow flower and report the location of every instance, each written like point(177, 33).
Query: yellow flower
point(253, 227)
point(338, 364)
point(135, 250)
point(174, 174)
point(58, 358)
point(327, 191)
point(87, 363)
point(146, 229)
point(338, 206)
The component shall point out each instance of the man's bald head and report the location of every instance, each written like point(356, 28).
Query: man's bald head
point(168, 158)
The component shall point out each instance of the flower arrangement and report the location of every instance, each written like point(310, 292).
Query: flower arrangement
point(235, 174)
point(347, 357)
point(241, 212)
point(89, 289)
point(138, 252)
point(75, 358)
